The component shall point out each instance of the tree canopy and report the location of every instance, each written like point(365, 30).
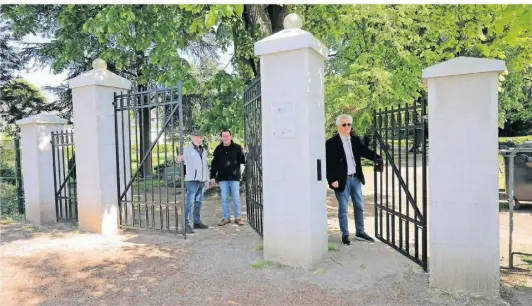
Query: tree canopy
point(18, 97)
point(377, 51)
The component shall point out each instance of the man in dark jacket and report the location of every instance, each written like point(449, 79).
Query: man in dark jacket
point(225, 168)
point(344, 175)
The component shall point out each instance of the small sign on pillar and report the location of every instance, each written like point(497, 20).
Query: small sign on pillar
point(283, 120)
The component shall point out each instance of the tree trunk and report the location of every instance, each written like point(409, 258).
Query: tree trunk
point(263, 21)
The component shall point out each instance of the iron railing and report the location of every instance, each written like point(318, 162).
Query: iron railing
point(401, 188)
point(65, 184)
point(149, 136)
point(253, 140)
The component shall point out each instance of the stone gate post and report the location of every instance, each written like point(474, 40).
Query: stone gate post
point(38, 171)
point(94, 125)
point(463, 175)
point(293, 145)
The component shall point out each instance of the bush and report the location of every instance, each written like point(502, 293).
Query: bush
point(7, 175)
point(8, 199)
point(516, 140)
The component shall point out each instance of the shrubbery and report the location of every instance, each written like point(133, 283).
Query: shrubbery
point(8, 199)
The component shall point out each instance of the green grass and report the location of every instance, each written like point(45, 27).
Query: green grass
point(516, 140)
point(260, 247)
point(321, 271)
point(527, 259)
point(7, 221)
point(262, 264)
point(333, 247)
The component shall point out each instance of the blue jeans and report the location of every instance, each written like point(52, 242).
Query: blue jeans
point(232, 187)
point(194, 194)
point(353, 188)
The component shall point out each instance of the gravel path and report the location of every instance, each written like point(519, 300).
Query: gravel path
point(58, 265)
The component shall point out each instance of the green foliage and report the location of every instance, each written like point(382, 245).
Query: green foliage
point(20, 99)
point(8, 199)
point(377, 52)
point(517, 140)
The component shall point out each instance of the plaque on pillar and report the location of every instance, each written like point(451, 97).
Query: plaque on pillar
point(283, 115)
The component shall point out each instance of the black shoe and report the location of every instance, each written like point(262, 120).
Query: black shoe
point(188, 229)
point(364, 237)
point(200, 225)
point(345, 240)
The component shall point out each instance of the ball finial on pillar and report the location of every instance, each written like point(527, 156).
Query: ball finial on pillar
point(99, 64)
point(293, 21)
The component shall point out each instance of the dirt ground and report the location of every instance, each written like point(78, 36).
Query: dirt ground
point(59, 265)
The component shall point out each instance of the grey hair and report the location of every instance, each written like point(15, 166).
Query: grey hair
point(339, 118)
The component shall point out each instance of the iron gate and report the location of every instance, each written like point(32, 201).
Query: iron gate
point(11, 186)
point(148, 127)
point(253, 140)
point(64, 164)
point(401, 188)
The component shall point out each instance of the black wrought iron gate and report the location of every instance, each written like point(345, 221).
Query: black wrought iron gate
point(65, 184)
point(401, 188)
point(149, 137)
point(253, 140)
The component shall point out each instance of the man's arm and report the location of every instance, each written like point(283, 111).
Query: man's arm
point(185, 159)
point(329, 157)
point(214, 164)
point(366, 152)
point(241, 158)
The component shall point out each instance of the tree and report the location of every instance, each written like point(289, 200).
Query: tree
point(379, 51)
point(20, 99)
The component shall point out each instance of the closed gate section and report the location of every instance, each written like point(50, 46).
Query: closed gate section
point(253, 140)
point(65, 185)
point(149, 137)
point(401, 188)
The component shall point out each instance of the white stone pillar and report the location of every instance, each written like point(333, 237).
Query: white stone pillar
point(94, 125)
point(293, 145)
point(463, 175)
point(38, 170)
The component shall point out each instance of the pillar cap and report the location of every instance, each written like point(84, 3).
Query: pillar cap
point(289, 39)
point(100, 76)
point(41, 119)
point(463, 65)
point(293, 21)
point(99, 64)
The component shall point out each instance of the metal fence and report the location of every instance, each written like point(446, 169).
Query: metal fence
point(65, 187)
point(253, 140)
point(401, 188)
point(11, 186)
point(149, 136)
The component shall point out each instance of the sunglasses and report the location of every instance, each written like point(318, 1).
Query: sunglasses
point(346, 124)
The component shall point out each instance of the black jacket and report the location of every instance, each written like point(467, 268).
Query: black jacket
point(337, 163)
point(226, 162)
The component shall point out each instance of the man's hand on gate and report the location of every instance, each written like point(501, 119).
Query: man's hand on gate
point(212, 182)
point(335, 184)
point(179, 159)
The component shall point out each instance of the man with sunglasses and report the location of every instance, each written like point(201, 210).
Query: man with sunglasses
point(345, 177)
